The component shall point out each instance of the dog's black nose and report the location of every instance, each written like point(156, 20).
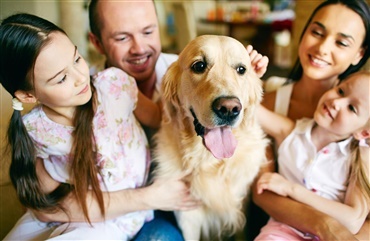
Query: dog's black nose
point(227, 109)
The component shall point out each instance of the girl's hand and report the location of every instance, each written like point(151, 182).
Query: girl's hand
point(259, 62)
point(274, 182)
point(172, 194)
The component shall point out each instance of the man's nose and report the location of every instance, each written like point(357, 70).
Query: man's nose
point(137, 46)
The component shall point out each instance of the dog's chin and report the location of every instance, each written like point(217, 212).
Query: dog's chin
point(219, 140)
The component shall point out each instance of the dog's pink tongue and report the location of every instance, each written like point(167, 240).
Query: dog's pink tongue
point(220, 142)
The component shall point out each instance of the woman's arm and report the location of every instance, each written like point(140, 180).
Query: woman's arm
point(147, 112)
point(351, 214)
point(170, 194)
point(275, 125)
point(364, 234)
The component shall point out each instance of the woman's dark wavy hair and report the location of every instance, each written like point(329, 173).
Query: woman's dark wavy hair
point(22, 38)
point(362, 9)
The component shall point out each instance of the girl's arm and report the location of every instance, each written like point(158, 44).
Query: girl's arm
point(351, 214)
point(147, 112)
point(275, 125)
point(301, 216)
point(170, 194)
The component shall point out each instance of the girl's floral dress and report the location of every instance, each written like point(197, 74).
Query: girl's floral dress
point(122, 147)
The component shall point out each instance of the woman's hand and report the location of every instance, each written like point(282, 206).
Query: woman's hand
point(259, 62)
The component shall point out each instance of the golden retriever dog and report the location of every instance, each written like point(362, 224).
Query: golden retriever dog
point(209, 130)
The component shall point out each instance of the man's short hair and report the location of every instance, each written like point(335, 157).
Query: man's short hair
point(94, 20)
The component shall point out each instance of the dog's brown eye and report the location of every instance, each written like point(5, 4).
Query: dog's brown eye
point(199, 67)
point(241, 70)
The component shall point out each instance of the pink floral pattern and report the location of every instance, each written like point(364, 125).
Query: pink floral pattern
point(123, 151)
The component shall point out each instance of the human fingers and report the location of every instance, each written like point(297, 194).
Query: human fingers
point(189, 202)
point(249, 48)
point(262, 184)
point(255, 57)
point(190, 206)
point(262, 62)
point(261, 66)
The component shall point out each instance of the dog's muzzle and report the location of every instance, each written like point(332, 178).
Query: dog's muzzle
point(219, 140)
point(227, 109)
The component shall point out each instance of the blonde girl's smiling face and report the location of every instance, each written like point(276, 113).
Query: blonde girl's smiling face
point(345, 108)
point(61, 76)
point(332, 42)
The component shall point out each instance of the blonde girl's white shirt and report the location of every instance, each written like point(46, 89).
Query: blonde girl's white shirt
point(122, 147)
point(325, 172)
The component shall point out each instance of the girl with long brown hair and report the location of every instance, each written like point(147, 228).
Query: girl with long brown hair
point(79, 158)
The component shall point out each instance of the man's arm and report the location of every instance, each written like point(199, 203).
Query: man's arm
point(147, 112)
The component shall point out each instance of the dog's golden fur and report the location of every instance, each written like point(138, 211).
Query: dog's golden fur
point(210, 68)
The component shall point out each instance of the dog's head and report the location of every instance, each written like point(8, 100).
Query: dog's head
point(212, 89)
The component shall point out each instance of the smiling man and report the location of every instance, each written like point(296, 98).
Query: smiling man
point(127, 33)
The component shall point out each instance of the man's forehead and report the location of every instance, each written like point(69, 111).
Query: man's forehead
point(123, 16)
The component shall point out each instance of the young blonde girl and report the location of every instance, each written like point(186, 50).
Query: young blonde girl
point(319, 160)
point(334, 43)
point(79, 159)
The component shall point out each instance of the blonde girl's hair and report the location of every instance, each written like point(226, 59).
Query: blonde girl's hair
point(359, 170)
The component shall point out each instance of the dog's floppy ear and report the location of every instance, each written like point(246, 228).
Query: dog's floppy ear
point(171, 103)
point(255, 87)
point(253, 92)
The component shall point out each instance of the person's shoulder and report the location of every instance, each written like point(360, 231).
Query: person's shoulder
point(167, 59)
point(304, 124)
point(272, 86)
point(38, 125)
point(114, 83)
point(110, 71)
point(273, 83)
point(169, 56)
point(29, 117)
point(113, 74)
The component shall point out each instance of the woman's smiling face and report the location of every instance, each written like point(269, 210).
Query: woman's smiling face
point(331, 43)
